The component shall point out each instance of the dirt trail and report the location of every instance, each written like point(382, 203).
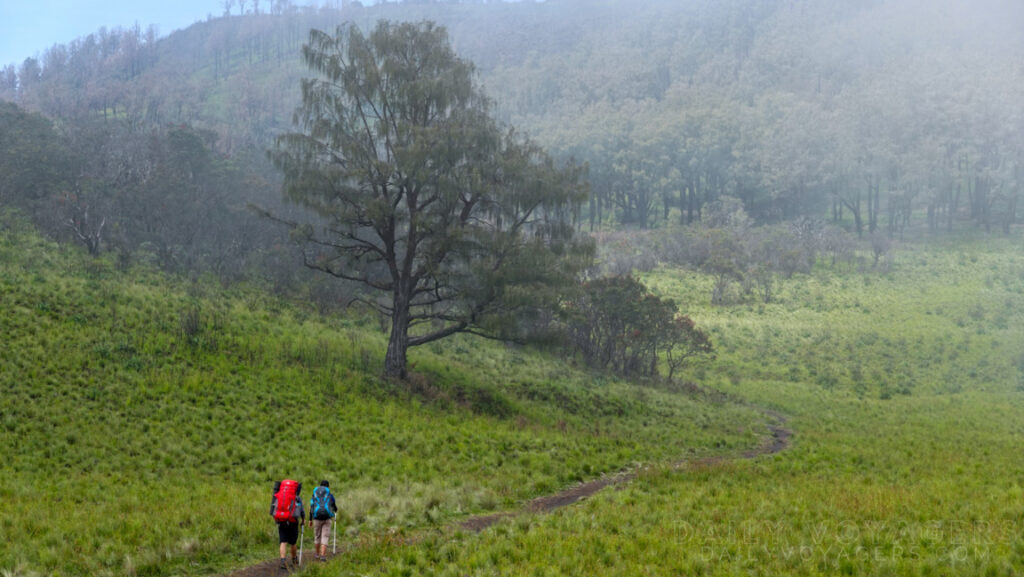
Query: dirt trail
point(776, 442)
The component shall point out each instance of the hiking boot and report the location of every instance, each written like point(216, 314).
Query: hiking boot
point(295, 561)
point(284, 564)
point(323, 559)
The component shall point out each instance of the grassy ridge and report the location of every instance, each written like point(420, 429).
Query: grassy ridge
point(905, 462)
point(144, 419)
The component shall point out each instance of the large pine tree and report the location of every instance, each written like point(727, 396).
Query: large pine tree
point(455, 223)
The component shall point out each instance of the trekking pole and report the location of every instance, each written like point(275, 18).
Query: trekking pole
point(334, 530)
point(302, 541)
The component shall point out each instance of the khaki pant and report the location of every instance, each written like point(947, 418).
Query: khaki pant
point(321, 532)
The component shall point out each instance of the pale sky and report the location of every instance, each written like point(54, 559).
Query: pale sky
point(29, 27)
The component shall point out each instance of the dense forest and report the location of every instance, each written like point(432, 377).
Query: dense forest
point(869, 116)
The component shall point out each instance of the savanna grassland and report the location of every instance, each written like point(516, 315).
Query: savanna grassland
point(144, 419)
point(904, 393)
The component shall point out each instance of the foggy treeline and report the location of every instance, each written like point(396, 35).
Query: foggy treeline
point(869, 113)
point(873, 117)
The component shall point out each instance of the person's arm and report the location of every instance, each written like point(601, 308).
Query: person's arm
point(334, 504)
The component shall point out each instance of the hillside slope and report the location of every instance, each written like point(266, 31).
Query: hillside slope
point(145, 419)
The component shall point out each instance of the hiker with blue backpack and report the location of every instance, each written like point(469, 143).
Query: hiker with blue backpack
point(322, 509)
point(286, 508)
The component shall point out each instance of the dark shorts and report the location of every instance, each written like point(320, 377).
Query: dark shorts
point(288, 533)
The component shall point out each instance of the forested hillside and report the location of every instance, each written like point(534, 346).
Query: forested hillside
point(876, 115)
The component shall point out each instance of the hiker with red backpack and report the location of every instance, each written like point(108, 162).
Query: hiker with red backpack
point(286, 508)
point(322, 509)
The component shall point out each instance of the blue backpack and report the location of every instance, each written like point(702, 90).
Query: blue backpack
point(320, 504)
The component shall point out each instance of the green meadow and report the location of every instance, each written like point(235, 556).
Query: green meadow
point(904, 393)
point(144, 419)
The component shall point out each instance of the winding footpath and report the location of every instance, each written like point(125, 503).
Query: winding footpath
point(776, 442)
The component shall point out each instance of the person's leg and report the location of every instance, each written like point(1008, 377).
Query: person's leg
point(282, 534)
point(318, 537)
point(328, 527)
point(289, 537)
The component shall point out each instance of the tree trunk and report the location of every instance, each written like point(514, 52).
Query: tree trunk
point(982, 193)
point(593, 210)
point(854, 204)
point(395, 361)
point(871, 204)
point(953, 206)
point(692, 209)
point(874, 203)
point(1011, 214)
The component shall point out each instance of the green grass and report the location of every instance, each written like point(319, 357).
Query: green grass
point(904, 392)
point(945, 320)
point(145, 418)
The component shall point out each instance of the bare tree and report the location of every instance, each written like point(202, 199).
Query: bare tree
point(82, 221)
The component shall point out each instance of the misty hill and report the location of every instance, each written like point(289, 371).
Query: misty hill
point(878, 115)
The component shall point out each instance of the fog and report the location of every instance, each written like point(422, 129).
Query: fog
point(882, 118)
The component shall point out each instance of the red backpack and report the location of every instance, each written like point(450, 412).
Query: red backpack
point(284, 511)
